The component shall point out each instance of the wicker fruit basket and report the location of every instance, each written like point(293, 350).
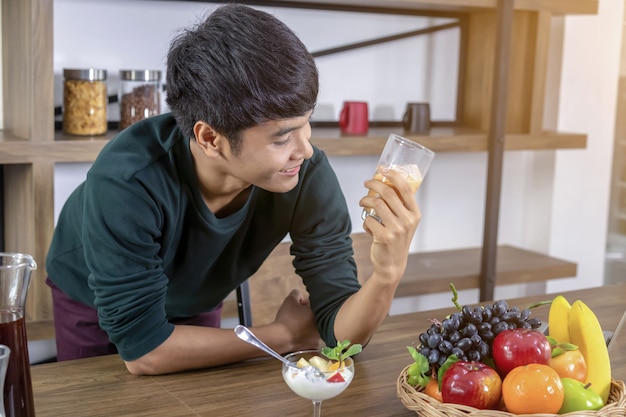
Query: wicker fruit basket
point(414, 399)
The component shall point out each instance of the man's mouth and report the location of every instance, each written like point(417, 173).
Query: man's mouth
point(293, 170)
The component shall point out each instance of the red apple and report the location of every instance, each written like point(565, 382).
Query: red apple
point(516, 347)
point(472, 383)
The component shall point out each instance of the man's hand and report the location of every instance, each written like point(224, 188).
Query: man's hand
point(399, 217)
point(296, 317)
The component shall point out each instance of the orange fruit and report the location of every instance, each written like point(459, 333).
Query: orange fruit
point(533, 389)
point(432, 389)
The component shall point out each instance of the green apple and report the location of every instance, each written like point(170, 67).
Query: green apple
point(578, 397)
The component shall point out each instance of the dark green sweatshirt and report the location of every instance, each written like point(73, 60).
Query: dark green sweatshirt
point(137, 242)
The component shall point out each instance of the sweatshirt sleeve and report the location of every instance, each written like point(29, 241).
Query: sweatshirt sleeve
point(120, 237)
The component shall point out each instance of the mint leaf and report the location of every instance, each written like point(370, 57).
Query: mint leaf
point(337, 353)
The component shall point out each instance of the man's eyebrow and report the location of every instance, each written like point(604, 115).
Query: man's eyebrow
point(286, 130)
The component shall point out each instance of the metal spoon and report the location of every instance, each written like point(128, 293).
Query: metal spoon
point(247, 336)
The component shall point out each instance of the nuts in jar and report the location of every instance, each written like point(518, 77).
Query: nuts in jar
point(140, 95)
point(85, 102)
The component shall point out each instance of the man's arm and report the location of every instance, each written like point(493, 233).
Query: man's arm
point(194, 347)
point(364, 311)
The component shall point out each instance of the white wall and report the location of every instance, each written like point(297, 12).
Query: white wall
point(582, 178)
point(549, 203)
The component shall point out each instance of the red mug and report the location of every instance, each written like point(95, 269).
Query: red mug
point(353, 119)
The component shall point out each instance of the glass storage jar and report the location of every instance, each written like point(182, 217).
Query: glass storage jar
point(85, 101)
point(140, 95)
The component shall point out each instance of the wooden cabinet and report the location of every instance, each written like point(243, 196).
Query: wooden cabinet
point(29, 146)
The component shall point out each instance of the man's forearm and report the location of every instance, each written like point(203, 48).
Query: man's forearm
point(361, 315)
point(196, 347)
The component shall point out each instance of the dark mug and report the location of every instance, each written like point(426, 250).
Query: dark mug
point(416, 118)
point(353, 119)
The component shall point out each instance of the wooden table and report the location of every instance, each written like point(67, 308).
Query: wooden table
point(102, 386)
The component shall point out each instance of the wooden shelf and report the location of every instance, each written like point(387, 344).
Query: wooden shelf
point(69, 149)
point(426, 272)
point(432, 272)
point(40, 330)
point(440, 139)
point(442, 6)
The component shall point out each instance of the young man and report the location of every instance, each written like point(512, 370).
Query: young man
point(179, 209)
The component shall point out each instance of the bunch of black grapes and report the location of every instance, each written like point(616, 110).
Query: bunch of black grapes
point(469, 333)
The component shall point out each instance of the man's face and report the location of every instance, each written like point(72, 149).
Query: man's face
point(271, 153)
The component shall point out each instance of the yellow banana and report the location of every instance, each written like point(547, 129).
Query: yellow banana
point(586, 332)
point(558, 319)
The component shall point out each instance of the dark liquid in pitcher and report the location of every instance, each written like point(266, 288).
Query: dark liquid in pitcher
point(18, 392)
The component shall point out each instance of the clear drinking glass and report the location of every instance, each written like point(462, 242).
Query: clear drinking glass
point(5, 354)
point(317, 388)
point(405, 156)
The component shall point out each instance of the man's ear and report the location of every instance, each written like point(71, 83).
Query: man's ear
point(209, 140)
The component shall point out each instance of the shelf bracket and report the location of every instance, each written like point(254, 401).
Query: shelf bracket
point(385, 39)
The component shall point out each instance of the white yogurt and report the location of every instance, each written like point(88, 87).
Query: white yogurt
point(316, 388)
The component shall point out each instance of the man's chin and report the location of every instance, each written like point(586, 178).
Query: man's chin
point(285, 187)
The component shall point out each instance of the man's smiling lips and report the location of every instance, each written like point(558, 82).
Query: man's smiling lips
point(291, 171)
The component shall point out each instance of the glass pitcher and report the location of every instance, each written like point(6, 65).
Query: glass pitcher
point(15, 271)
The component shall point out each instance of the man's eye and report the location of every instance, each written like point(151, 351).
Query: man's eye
point(282, 142)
